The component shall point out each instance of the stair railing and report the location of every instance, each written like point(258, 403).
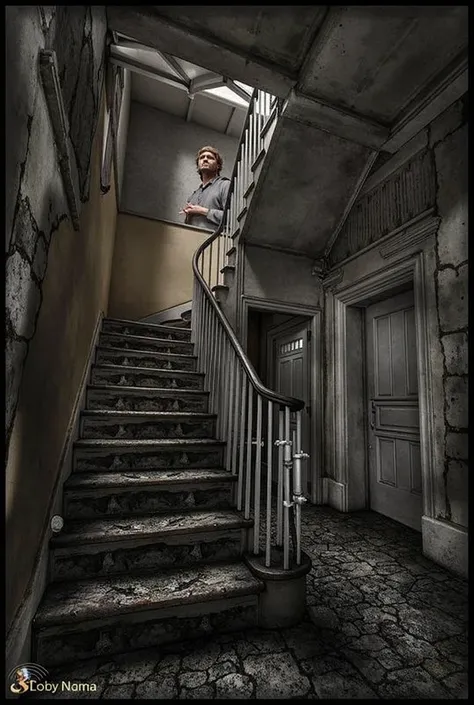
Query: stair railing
point(253, 420)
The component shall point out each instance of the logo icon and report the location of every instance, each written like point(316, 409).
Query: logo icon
point(21, 677)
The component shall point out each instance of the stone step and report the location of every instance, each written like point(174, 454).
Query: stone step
point(92, 495)
point(125, 545)
point(146, 343)
point(150, 330)
point(117, 454)
point(128, 376)
point(140, 358)
point(178, 323)
point(113, 615)
point(146, 424)
point(110, 396)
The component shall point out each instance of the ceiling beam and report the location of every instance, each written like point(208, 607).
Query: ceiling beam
point(189, 113)
point(207, 80)
point(174, 65)
point(145, 70)
point(229, 121)
point(144, 24)
point(238, 90)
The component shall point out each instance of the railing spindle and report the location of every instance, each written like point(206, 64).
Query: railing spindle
point(249, 452)
point(286, 513)
point(269, 484)
point(258, 478)
point(240, 481)
point(281, 433)
point(235, 423)
point(230, 399)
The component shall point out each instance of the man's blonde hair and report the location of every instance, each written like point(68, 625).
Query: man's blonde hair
point(216, 154)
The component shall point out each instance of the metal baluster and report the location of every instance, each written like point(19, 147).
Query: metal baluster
point(249, 452)
point(218, 364)
point(223, 390)
point(246, 157)
point(281, 424)
point(210, 265)
point(258, 478)
point(229, 426)
point(269, 483)
point(239, 167)
point(286, 506)
point(212, 361)
point(218, 259)
point(255, 129)
point(297, 488)
point(240, 480)
point(235, 424)
point(251, 119)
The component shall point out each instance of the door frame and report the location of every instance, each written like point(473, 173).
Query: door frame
point(349, 412)
point(316, 450)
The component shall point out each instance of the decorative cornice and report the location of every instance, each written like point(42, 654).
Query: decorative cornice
point(411, 237)
point(333, 279)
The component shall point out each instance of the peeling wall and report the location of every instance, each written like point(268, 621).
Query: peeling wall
point(57, 279)
point(160, 162)
point(437, 177)
point(152, 266)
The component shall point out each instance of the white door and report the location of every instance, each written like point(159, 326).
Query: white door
point(394, 435)
point(291, 358)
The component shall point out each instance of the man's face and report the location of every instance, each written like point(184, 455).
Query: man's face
point(207, 162)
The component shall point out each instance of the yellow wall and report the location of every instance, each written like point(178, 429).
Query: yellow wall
point(152, 268)
point(75, 291)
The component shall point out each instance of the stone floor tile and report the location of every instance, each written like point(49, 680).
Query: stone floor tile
point(412, 683)
point(124, 691)
point(457, 684)
point(334, 685)
point(235, 685)
point(163, 688)
point(276, 676)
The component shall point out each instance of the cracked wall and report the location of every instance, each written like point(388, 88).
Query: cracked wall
point(436, 177)
point(57, 279)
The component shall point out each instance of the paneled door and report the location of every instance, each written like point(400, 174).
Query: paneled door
point(292, 379)
point(394, 424)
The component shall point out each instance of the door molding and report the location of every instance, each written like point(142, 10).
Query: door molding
point(418, 271)
point(316, 450)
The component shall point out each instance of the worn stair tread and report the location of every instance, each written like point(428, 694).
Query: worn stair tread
point(158, 391)
point(158, 415)
point(139, 324)
point(127, 369)
point(143, 339)
point(107, 529)
point(73, 603)
point(145, 443)
point(146, 478)
point(155, 353)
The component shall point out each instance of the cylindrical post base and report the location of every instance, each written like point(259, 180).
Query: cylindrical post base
point(283, 602)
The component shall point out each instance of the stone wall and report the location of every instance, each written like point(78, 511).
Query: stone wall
point(35, 197)
point(57, 278)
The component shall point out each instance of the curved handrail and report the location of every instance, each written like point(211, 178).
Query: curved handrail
point(293, 403)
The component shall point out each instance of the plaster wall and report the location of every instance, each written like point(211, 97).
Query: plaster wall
point(57, 279)
point(160, 167)
point(270, 274)
point(152, 266)
point(445, 151)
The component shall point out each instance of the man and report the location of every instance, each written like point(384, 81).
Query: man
point(205, 206)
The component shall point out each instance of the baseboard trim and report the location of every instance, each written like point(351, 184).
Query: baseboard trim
point(447, 544)
point(334, 494)
point(18, 640)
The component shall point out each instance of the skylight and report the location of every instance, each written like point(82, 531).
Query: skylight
point(230, 96)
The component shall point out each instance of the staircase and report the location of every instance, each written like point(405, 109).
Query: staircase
point(152, 549)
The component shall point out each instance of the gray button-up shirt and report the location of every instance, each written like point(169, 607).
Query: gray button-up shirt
point(213, 196)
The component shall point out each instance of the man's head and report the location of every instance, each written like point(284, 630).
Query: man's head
point(208, 159)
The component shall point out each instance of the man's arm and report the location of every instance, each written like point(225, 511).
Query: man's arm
point(214, 215)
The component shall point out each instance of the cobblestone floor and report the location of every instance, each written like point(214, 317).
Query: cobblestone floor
point(382, 622)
